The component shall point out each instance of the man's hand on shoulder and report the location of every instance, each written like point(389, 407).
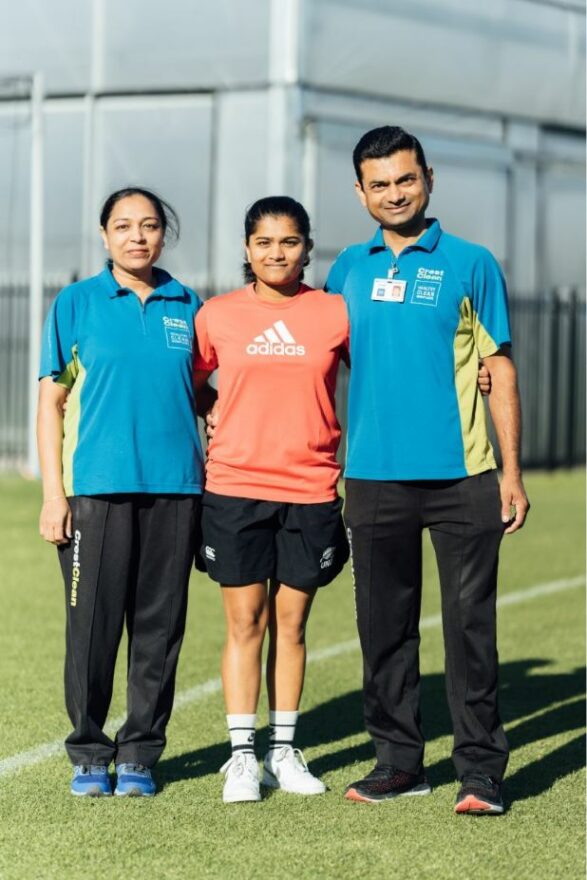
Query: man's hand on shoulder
point(212, 421)
point(484, 380)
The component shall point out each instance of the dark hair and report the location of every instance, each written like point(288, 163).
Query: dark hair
point(166, 214)
point(275, 206)
point(385, 141)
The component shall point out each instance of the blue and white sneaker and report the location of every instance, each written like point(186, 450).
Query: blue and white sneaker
point(134, 780)
point(91, 780)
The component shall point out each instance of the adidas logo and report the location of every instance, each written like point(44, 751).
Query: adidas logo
point(276, 340)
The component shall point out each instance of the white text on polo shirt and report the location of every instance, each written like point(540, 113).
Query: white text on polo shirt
point(430, 274)
point(177, 333)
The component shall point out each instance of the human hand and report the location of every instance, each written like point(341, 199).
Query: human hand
point(514, 502)
point(55, 522)
point(484, 380)
point(212, 417)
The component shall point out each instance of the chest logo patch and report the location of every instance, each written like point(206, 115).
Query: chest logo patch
point(276, 340)
point(427, 287)
point(177, 333)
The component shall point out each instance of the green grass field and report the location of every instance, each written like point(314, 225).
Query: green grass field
point(186, 831)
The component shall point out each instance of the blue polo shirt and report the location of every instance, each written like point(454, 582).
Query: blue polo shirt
point(414, 410)
point(130, 423)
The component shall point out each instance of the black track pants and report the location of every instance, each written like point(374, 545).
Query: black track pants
point(385, 521)
point(129, 559)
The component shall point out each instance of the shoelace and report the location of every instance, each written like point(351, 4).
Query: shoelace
point(91, 770)
point(138, 769)
point(284, 753)
point(479, 779)
point(239, 765)
point(382, 771)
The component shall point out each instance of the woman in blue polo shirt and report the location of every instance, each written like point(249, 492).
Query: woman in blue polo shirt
point(122, 482)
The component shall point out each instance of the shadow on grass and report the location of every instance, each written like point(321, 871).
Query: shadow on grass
point(526, 689)
point(342, 716)
point(537, 776)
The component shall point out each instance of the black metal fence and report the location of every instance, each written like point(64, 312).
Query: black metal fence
point(549, 349)
point(14, 353)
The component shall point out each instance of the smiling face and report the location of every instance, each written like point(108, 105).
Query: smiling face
point(396, 190)
point(133, 235)
point(277, 252)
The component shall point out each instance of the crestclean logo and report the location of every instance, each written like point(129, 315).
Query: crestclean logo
point(177, 333)
point(430, 274)
point(75, 568)
point(276, 340)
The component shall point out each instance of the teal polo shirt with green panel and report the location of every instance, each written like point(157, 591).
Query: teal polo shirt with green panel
point(130, 424)
point(420, 321)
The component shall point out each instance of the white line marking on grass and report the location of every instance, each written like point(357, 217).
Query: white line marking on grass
point(30, 757)
point(541, 590)
point(213, 685)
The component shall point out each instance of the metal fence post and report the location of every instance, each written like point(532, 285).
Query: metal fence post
point(572, 370)
point(36, 268)
point(554, 381)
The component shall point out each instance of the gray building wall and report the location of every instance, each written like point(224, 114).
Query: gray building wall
point(217, 104)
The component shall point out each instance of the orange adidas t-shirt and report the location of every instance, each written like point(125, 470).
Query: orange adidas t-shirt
point(278, 433)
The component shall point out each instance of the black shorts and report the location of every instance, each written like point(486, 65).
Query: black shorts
point(246, 541)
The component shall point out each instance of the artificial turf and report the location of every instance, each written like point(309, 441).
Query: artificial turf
point(186, 831)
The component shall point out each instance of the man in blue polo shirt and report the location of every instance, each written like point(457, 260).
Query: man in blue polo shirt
point(424, 308)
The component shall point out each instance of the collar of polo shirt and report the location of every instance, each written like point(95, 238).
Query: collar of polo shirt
point(165, 286)
point(427, 243)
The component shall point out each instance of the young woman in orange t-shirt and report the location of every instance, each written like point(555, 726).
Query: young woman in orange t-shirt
point(272, 526)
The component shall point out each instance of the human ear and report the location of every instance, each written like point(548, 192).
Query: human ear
point(430, 179)
point(360, 192)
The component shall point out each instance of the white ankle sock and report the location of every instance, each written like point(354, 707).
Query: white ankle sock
point(241, 729)
point(282, 728)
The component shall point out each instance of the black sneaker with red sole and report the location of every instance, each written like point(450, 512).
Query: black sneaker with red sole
point(480, 795)
point(386, 782)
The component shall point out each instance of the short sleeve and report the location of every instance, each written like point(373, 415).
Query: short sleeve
point(197, 301)
point(59, 341)
point(345, 347)
point(337, 275)
point(205, 354)
point(491, 324)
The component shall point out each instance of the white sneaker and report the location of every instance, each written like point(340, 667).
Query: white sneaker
point(242, 778)
point(285, 768)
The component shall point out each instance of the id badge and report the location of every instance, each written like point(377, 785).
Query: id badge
point(388, 290)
